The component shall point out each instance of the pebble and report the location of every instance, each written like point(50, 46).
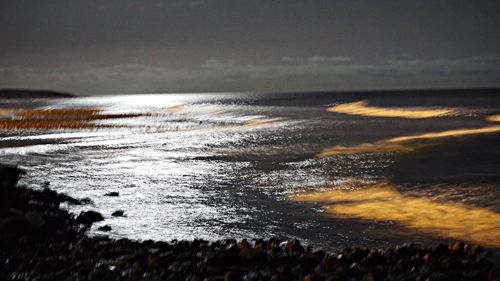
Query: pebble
point(104, 228)
point(112, 194)
point(118, 213)
point(89, 217)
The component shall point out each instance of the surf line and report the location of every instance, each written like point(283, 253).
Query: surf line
point(361, 108)
point(410, 143)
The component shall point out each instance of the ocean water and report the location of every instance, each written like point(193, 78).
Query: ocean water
point(328, 168)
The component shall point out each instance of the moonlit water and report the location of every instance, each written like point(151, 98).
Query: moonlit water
point(216, 166)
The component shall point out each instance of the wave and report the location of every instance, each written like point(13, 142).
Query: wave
point(411, 142)
point(361, 108)
point(493, 118)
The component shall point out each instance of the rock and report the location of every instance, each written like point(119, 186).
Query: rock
point(368, 277)
point(104, 228)
point(232, 276)
point(86, 201)
point(15, 225)
point(56, 198)
point(118, 213)
point(8, 241)
point(450, 263)
point(456, 247)
point(65, 198)
point(294, 247)
point(445, 276)
point(11, 229)
point(9, 176)
point(25, 241)
point(112, 194)
point(89, 217)
point(313, 277)
point(35, 219)
point(101, 273)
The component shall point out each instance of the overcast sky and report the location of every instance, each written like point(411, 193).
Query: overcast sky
point(125, 46)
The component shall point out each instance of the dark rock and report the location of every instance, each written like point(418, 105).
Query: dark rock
point(112, 194)
point(101, 273)
point(25, 241)
point(450, 263)
point(233, 276)
point(9, 176)
point(89, 217)
point(456, 247)
point(57, 198)
point(314, 277)
point(35, 219)
point(16, 225)
point(368, 277)
point(445, 276)
point(104, 228)
point(293, 246)
point(118, 213)
point(12, 229)
point(86, 201)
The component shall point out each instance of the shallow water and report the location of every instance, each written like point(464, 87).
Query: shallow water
point(216, 166)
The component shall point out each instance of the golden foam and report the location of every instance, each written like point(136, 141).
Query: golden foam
point(377, 147)
point(50, 119)
point(47, 125)
point(175, 108)
point(493, 118)
point(445, 134)
point(405, 143)
point(382, 202)
point(73, 113)
point(258, 122)
point(361, 108)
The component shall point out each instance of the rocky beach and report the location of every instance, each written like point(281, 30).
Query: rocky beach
point(41, 241)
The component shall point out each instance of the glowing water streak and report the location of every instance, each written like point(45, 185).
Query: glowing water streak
point(405, 143)
point(361, 108)
point(445, 134)
point(382, 202)
point(175, 108)
point(493, 118)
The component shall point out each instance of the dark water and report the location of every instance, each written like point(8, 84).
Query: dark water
point(216, 166)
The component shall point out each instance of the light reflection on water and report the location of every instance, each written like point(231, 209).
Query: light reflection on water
point(361, 108)
point(216, 166)
point(383, 202)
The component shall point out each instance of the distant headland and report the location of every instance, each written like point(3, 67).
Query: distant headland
point(29, 94)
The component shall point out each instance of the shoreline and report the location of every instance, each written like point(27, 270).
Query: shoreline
point(41, 241)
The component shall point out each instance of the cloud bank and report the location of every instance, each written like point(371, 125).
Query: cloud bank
point(312, 73)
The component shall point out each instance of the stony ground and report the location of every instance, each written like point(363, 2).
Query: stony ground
point(40, 241)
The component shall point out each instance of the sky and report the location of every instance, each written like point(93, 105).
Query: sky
point(152, 46)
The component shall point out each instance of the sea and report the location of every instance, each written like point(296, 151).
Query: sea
point(333, 169)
